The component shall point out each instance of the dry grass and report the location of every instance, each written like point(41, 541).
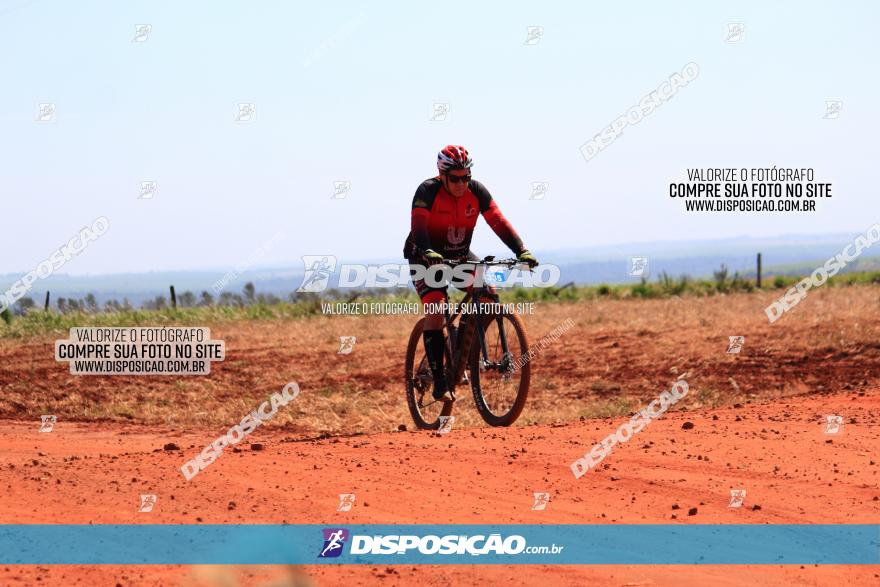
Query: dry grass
point(618, 357)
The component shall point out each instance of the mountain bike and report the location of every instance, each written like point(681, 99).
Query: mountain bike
point(491, 344)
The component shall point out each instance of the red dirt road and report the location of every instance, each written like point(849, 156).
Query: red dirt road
point(777, 451)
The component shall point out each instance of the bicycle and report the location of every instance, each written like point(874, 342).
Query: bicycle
point(494, 376)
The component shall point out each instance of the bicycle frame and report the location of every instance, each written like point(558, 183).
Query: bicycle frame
point(483, 362)
point(474, 323)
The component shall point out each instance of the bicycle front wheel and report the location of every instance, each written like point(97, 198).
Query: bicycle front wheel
point(500, 370)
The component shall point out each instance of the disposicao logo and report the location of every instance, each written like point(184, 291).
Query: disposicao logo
point(334, 540)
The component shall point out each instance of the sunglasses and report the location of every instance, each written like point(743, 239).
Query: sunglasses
point(458, 178)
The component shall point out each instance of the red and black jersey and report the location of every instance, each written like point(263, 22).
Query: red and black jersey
point(444, 223)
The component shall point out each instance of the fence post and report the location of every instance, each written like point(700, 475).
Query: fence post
point(759, 270)
point(46, 305)
point(173, 298)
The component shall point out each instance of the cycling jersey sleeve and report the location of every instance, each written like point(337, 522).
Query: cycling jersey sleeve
point(421, 211)
point(495, 219)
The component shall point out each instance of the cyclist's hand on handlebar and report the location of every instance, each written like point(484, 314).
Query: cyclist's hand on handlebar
point(432, 257)
point(527, 257)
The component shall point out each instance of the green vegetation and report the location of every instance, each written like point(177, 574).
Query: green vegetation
point(31, 320)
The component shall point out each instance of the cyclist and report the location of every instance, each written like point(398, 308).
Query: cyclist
point(444, 214)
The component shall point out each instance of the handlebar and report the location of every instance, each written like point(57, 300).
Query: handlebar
point(487, 261)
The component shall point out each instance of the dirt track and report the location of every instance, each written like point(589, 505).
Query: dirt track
point(792, 471)
point(769, 401)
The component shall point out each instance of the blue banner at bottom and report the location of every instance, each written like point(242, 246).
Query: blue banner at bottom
point(665, 544)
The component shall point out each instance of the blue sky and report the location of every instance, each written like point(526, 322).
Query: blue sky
point(343, 93)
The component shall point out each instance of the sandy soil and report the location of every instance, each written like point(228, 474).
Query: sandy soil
point(757, 425)
point(793, 473)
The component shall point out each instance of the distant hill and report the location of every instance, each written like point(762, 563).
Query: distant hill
point(785, 255)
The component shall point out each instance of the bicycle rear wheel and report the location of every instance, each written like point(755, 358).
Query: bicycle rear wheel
point(424, 409)
point(500, 374)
